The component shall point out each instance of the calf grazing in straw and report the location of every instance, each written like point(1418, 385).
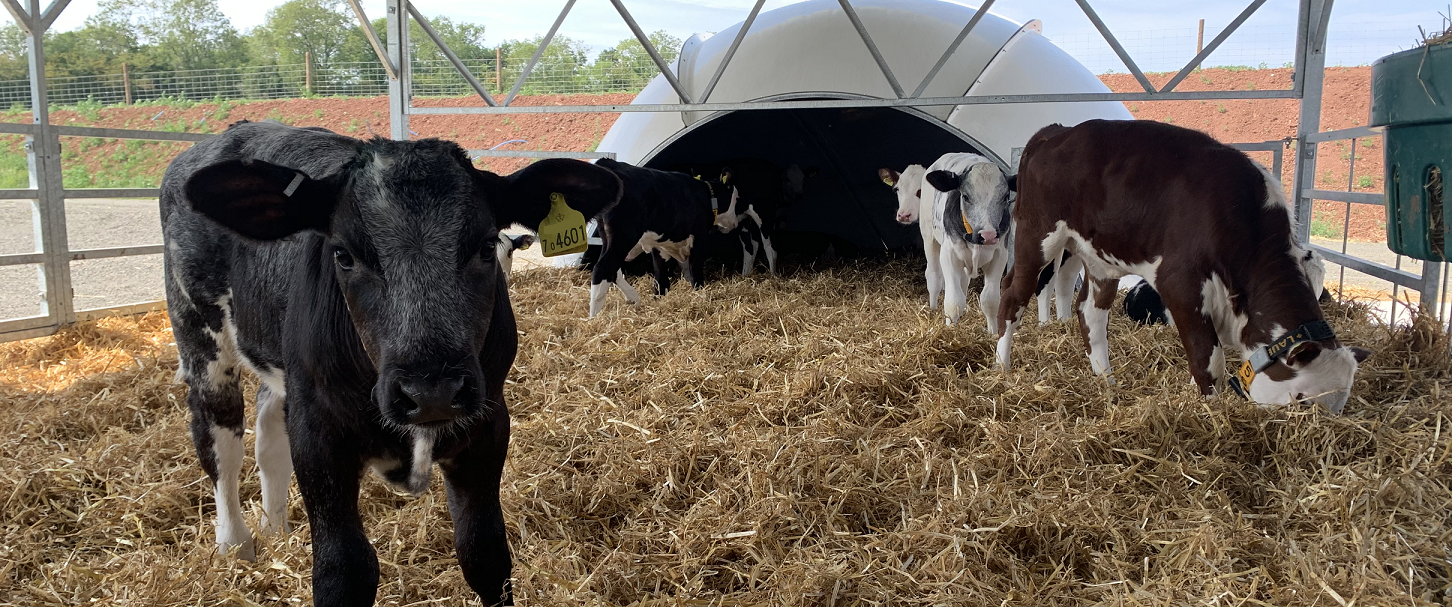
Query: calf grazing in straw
point(1205, 226)
point(909, 185)
point(662, 213)
point(359, 281)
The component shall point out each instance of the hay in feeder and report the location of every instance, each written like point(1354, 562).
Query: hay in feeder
point(817, 439)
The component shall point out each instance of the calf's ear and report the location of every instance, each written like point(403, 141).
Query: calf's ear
point(260, 200)
point(522, 241)
point(1361, 354)
point(944, 181)
point(524, 196)
point(888, 176)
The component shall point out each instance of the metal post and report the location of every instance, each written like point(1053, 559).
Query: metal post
point(660, 63)
point(43, 152)
point(538, 52)
point(731, 52)
point(372, 36)
point(1201, 54)
point(126, 82)
point(1313, 72)
point(397, 34)
point(872, 48)
point(962, 35)
point(1114, 44)
point(428, 29)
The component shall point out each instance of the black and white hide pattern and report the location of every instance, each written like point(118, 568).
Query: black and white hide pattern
point(507, 246)
point(762, 189)
point(1143, 305)
point(664, 214)
point(361, 282)
point(967, 190)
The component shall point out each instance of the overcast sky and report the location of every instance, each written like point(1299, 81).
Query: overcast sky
point(1361, 29)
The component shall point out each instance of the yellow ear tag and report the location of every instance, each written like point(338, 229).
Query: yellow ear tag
point(890, 182)
point(1246, 374)
point(563, 230)
point(967, 227)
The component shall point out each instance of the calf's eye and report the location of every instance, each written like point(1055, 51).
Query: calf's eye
point(343, 259)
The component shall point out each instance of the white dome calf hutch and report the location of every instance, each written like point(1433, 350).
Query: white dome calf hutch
point(811, 51)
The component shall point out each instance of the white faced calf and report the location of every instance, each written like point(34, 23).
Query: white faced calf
point(911, 185)
point(1205, 226)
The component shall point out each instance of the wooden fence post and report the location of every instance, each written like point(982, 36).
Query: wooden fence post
point(308, 71)
point(1200, 39)
point(126, 82)
point(497, 85)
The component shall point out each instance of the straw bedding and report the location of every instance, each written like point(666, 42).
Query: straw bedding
point(818, 439)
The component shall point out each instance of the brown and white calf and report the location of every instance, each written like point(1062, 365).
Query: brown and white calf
point(1204, 225)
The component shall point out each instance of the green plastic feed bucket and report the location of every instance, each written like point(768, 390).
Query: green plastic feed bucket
point(1411, 95)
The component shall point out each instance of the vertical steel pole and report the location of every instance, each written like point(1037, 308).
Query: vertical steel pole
point(43, 155)
point(1312, 68)
point(398, 88)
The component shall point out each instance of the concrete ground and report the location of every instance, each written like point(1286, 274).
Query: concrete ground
point(90, 224)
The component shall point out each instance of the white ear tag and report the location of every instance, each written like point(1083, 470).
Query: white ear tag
point(297, 180)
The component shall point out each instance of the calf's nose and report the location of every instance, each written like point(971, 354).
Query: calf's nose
point(990, 236)
point(432, 400)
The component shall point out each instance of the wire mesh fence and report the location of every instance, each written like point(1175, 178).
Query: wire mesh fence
point(1154, 50)
point(364, 78)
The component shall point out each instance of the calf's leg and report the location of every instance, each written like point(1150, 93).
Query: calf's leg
point(1019, 285)
point(662, 272)
point(209, 366)
point(1202, 343)
point(345, 568)
point(472, 479)
point(274, 461)
point(618, 243)
point(1094, 304)
point(1063, 285)
point(934, 271)
point(992, 288)
point(954, 282)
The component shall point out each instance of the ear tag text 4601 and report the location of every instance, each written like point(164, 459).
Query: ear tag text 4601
point(563, 230)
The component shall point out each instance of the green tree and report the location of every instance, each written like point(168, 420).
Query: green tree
point(177, 34)
point(94, 49)
point(627, 67)
point(321, 27)
point(564, 66)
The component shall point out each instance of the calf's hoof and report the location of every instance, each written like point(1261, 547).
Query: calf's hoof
point(246, 551)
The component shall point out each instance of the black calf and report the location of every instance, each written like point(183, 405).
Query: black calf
point(662, 213)
point(360, 281)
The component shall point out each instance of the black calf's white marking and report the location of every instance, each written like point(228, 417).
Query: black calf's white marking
point(362, 282)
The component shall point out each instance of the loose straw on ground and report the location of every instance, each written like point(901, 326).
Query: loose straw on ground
point(816, 439)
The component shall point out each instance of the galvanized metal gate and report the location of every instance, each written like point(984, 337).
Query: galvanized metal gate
point(49, 195)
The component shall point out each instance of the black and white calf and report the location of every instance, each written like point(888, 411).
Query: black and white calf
point(360, 282)
point(662, 213)
point(959, 190)
point(762, 189)
point(504, 251)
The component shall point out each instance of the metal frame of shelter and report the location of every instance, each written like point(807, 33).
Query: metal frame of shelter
point(49, 194)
